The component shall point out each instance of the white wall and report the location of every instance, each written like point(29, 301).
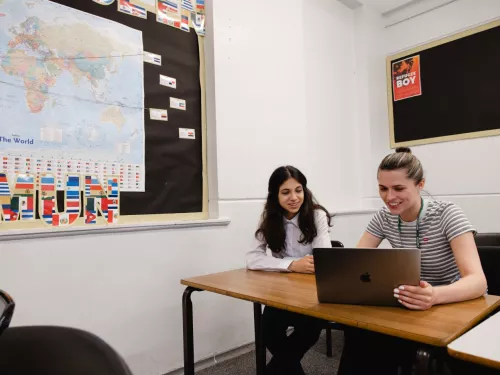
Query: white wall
point(261, 117)
point(126, 289)
point(280, 97)
point(465, 172)
point(289, 81)
point(332, 134)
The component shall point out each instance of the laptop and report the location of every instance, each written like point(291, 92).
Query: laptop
point(358, 276)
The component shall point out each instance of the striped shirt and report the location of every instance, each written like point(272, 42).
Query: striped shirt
point(440, 222)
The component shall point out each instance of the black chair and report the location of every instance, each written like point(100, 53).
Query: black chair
point(40, 350)
point(487, 239)
point(7, 306)
point(490, 260)
point(332, 325)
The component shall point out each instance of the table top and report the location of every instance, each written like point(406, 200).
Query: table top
point(296, 292)
point(480, 345)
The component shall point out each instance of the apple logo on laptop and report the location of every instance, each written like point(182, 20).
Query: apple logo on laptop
point(366, 277)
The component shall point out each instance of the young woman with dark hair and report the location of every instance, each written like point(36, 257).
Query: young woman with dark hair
point(292, 224)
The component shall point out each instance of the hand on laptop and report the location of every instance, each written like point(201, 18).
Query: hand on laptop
point(416, 297)
point(303, 265)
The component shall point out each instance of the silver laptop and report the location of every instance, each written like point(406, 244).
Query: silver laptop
point(357, 276)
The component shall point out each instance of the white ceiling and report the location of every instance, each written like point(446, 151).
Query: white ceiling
point(384, 6)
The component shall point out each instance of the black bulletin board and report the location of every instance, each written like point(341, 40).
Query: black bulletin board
point(174, 167)
point(459, 90)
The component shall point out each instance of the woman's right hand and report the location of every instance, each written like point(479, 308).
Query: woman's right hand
point(303, 265)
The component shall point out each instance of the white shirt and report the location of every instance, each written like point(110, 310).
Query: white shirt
point(257, 259)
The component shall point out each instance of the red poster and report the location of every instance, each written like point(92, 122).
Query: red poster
point(406, 78)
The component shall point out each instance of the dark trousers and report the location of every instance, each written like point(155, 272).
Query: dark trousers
point(288, 351)
point(368, 352)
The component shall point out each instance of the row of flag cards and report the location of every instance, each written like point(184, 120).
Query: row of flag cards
point(174, 13)
point(131, 175)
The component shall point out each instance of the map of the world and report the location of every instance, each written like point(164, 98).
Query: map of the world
point(71, 84)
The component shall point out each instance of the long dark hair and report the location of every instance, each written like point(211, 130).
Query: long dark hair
point(272, 228)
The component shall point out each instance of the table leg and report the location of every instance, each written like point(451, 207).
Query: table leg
point(329, 342)
point(423, 361)
point(260, 348)
point(187, 321)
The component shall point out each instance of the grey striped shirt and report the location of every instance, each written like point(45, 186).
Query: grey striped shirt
point(440, 222)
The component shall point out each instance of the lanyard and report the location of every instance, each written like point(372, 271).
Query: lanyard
point(418, 224)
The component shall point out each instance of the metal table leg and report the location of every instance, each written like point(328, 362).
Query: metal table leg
point(260, 348)
point(423, 361)
point(187, 321)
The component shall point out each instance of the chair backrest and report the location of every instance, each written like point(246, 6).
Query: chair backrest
point(6, 310)
point(337, 244)
point(490, 260)
point(57, 351)
point(487, 239)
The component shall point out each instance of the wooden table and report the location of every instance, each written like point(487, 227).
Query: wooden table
point(480, 345)
point(436, 327)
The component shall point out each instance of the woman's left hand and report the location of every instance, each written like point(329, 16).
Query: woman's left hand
point(416, 297)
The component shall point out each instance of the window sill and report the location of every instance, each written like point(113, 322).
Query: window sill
point(28, 234)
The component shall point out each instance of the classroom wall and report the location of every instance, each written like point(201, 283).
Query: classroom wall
point(331, 110)
point(280, 98)
point(261, 116)
point(465, 171)
point(283, 98)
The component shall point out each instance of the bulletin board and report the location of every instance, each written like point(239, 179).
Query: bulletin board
point(175, 178)
point(445, 90)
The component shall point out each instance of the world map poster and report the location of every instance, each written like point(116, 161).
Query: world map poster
point(71, 94)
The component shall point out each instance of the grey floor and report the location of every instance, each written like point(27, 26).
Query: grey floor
point(315, 362)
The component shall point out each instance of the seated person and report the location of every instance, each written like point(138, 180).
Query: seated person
point(450, 267)
point(292, 224)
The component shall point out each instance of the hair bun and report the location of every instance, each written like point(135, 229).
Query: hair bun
point(405, 150)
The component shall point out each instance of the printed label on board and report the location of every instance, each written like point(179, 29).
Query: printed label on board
point(186, 133)
point(169, 6)
point(177, 103)
point(152, 58)
point(168, 12)
point(200, 6)
point(406, 78)
point(149, 5)
point(104, 2)
point(198, 22)
point(168, 81)
point(187, 5)
point(125, 6)
point(185, 20)
point(158, 114)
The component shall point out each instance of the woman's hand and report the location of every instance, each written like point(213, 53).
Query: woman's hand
point(416, 297)
point(303, 265)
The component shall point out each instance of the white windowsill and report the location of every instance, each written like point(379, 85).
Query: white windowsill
point(26, 234)
point(364, 211)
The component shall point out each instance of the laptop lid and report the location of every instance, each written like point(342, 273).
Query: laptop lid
point(358, 276)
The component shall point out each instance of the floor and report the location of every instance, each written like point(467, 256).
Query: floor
point(314, 362)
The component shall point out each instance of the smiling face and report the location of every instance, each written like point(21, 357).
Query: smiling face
point(291, 197)
point(400, 193)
